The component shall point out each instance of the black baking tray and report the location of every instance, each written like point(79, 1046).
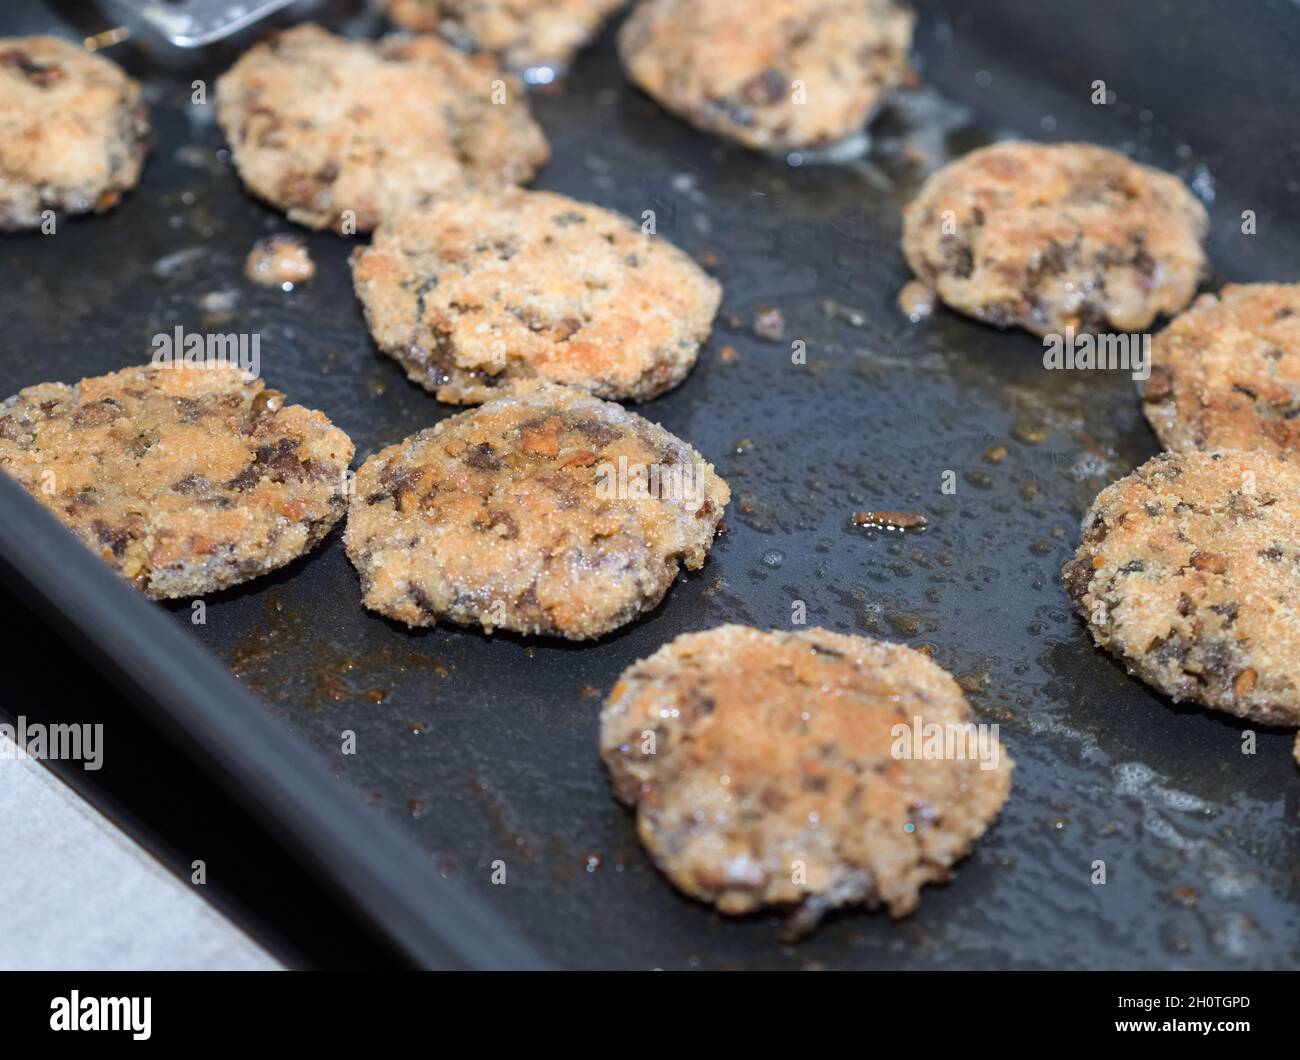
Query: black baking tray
point(475, 750)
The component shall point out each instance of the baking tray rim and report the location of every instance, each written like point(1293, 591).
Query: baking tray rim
point(187, 692)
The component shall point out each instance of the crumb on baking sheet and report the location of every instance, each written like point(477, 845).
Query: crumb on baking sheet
point(769, 323)
point(916, 300)
point(885, 520)
point(280, 261)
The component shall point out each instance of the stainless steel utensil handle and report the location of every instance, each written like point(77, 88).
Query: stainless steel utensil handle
point(194, 23)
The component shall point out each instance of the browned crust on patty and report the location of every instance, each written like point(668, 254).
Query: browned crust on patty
point(73, 132)
point(521, 33)
point(776, 752)
point(488, 294)
point(333, 130)
point(780, 74)
point(184, 480)
point(512, 516)
point(1189, 572)
point(1225, 374)
point(1052, 237)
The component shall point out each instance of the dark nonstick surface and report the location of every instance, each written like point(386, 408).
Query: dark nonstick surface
point(484, 748)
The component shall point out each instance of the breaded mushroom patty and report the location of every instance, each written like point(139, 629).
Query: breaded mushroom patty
point(73, 132)
point(342, 134)
point(777, 74)
point(185, 480)
point(521, 33)
point(771, 769)
point(1189, 572)
point(1226, 373)
point(487, 294)
point(554, 513)
point(1050, 237)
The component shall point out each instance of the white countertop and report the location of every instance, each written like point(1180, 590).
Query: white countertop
point(83, 895)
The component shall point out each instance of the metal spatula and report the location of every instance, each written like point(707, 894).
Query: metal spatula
point(194, 23)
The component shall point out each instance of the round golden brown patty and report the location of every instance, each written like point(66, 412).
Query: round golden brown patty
point(486, 294)
point(522, 33)
point(343, 134)
point(185, 480)
point(1226, 373)
point(1189, 572)
point(776, 74)
point(73, 132)
point(766, 768)
point(1050, 237)
point(553, 513)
